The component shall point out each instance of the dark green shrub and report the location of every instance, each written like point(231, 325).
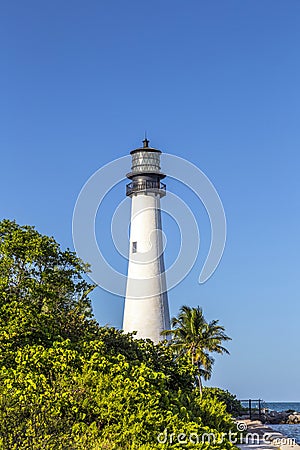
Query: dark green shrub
point(233, 405)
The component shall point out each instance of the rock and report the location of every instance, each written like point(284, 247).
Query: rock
point(293, 418)
point(275, 417)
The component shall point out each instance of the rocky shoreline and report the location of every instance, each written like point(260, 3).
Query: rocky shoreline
point(288, 417)
point(283, 417)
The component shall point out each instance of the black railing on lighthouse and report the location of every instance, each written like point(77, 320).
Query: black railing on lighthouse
point(145, 185)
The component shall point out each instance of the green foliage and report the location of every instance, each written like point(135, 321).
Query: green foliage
point(43, 296)
point(233, 405)
point(62, 397)
point(68, 384)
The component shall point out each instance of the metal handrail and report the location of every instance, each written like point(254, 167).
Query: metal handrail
point(146, 185)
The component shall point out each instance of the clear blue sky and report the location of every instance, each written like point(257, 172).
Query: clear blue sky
point(216, 82)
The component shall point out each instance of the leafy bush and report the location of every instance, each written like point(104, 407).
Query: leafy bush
point(62, 398)
point(233, 405)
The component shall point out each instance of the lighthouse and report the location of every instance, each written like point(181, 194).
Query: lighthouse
point(146, 308)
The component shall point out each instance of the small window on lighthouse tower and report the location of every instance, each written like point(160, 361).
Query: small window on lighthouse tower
point(134, 247)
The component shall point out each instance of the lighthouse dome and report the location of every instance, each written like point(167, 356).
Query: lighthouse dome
point(145, 160)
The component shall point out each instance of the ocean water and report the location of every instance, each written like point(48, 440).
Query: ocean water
point(282, 406)
point(291, 431)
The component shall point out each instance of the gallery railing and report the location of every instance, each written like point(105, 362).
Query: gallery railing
point(146, 186)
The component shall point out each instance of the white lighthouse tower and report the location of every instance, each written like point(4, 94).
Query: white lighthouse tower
point(146, 304)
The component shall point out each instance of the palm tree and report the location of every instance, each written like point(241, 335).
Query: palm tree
point(192, 335)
